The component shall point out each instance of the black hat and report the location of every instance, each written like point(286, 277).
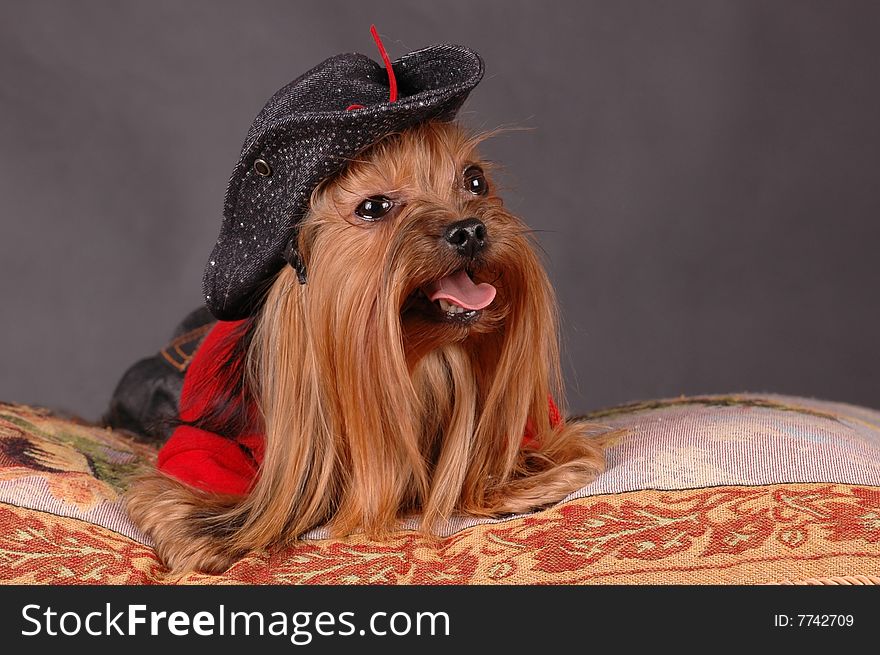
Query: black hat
point(306, 133)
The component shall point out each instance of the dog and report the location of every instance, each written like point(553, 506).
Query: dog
point(386, 344)
point(416, 372)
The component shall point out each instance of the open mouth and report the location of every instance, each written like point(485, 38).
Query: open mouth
point(457, 297)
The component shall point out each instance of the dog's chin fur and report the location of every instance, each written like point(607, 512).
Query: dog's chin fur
point(373, 405)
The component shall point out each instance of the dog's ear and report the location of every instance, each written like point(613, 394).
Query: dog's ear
point(294, 258)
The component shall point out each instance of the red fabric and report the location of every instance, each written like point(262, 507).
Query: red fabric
point(210, 462)
point(202, 459)
point(555, 419)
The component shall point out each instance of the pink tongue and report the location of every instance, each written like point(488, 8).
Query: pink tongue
point(460, 290)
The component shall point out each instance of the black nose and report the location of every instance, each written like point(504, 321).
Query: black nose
point(468, 236)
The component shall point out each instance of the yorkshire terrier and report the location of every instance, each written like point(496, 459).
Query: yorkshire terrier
point(412, 373)
point(415, 374)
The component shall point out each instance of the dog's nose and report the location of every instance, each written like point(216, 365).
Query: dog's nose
point(467, 237)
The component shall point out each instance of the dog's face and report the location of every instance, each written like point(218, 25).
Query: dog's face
point(416, 228)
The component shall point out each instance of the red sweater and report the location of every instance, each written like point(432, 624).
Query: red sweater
point(209, 461)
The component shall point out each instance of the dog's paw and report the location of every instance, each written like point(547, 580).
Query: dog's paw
point(569, 458)
point(183, 524)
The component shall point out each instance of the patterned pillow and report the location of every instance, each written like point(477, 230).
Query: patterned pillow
point(735, 489)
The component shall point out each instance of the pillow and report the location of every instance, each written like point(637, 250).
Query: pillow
point(716, 489)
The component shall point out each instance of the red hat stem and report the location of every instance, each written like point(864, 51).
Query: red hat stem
point(392, 81)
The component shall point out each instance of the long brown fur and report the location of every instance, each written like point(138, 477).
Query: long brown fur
point(372, 410)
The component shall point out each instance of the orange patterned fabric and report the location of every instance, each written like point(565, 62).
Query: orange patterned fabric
point(62, 521)
point(778, 534)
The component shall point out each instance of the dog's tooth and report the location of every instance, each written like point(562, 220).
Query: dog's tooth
point(450, 308)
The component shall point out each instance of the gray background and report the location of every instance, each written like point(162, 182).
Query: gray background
point(704, 176)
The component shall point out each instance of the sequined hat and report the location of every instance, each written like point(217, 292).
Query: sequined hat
point(306, 133)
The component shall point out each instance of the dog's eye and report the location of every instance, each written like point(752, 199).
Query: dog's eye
point(475, 181)
point(374, 208)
